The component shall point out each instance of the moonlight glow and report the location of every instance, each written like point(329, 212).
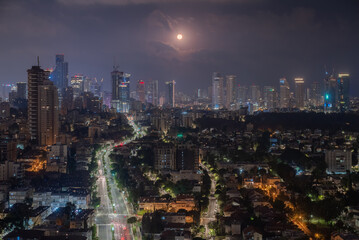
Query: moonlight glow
point(179, 36)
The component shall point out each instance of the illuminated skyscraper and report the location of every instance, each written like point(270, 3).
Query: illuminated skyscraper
point(21, 90)
point(217, 91)
point(242, 95)
point(269, 97)
point(330, 93)
point(152, 92)
point(60, 75)
point(171, 93)
point(255, 93)
point(48, 115)
point(315, 94)
point(140, 90)
point(120, 91)
point(42, 107)
point(343, 91)
point(77, 84)
point(231, 91)
point(284, 93)
point(299, 92)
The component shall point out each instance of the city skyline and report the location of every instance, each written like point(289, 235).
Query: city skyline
point(251, 52)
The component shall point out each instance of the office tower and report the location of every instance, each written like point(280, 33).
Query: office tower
point(96, 87)
point(284, 93)
point(140, 91)
point(48, 115)
point(21, 90)
point(171, 93)
point(343, 91)
point(42, 107)
point(77, 84)
point(242, 95)
point(255, 93)
point(299, 92)
point(315, 94)
point(269, 97)
point(217, 91)
point(330, 93)
point(120, 91)
point(60, 75)
point(338, 161)
point(231, 90)
point(6, 89)
point(67, 100)
point(152, 92)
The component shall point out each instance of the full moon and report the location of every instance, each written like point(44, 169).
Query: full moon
point(179, 36)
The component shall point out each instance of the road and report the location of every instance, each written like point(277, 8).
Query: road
point(111, 217)
point(212, 205)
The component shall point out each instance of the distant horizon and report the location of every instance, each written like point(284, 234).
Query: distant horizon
point(258, 41)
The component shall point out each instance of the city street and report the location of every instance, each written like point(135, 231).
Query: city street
point(111, 217)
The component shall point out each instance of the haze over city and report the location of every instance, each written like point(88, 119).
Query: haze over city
point(259, 41)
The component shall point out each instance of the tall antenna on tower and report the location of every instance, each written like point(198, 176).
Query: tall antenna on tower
point(38, 61)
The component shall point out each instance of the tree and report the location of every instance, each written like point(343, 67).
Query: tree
point(131, 220)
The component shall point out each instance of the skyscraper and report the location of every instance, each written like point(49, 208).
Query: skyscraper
point(231, 91)
point(42, 107)
point(152, 92)
point(77, 84)
point(242, 95)
point(217, 91)
point(284, 93)
point(255, 93)
point(330, 93)
point(60, 75)
point(171, 93)
point(140, 90)
point(120, 91)
point(343, 91)
point(315, 94)
point(21, 90)
point(269, 97)
point(299, 92)
point(48, 115)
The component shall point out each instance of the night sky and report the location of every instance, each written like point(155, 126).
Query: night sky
point(259, 41)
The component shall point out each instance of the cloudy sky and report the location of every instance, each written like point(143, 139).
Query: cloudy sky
point(257, 40)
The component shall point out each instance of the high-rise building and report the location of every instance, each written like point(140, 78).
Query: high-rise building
point(299, 92)
point(255, 93)
point(217, 91)
point(36, 77)
point(42, 107)
point(120, 91)
point(152, 92)
point(269, 97)
point(242, 95)
point(231, 90)
point(315, 94)
point(60, 75)
point(284, 93)
point(330, 93)
point(48, 115)
point(21, 90)
point(171, 93)
point(140, 91)
point(165, 156)
point(343, 91)
point(77, 84)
